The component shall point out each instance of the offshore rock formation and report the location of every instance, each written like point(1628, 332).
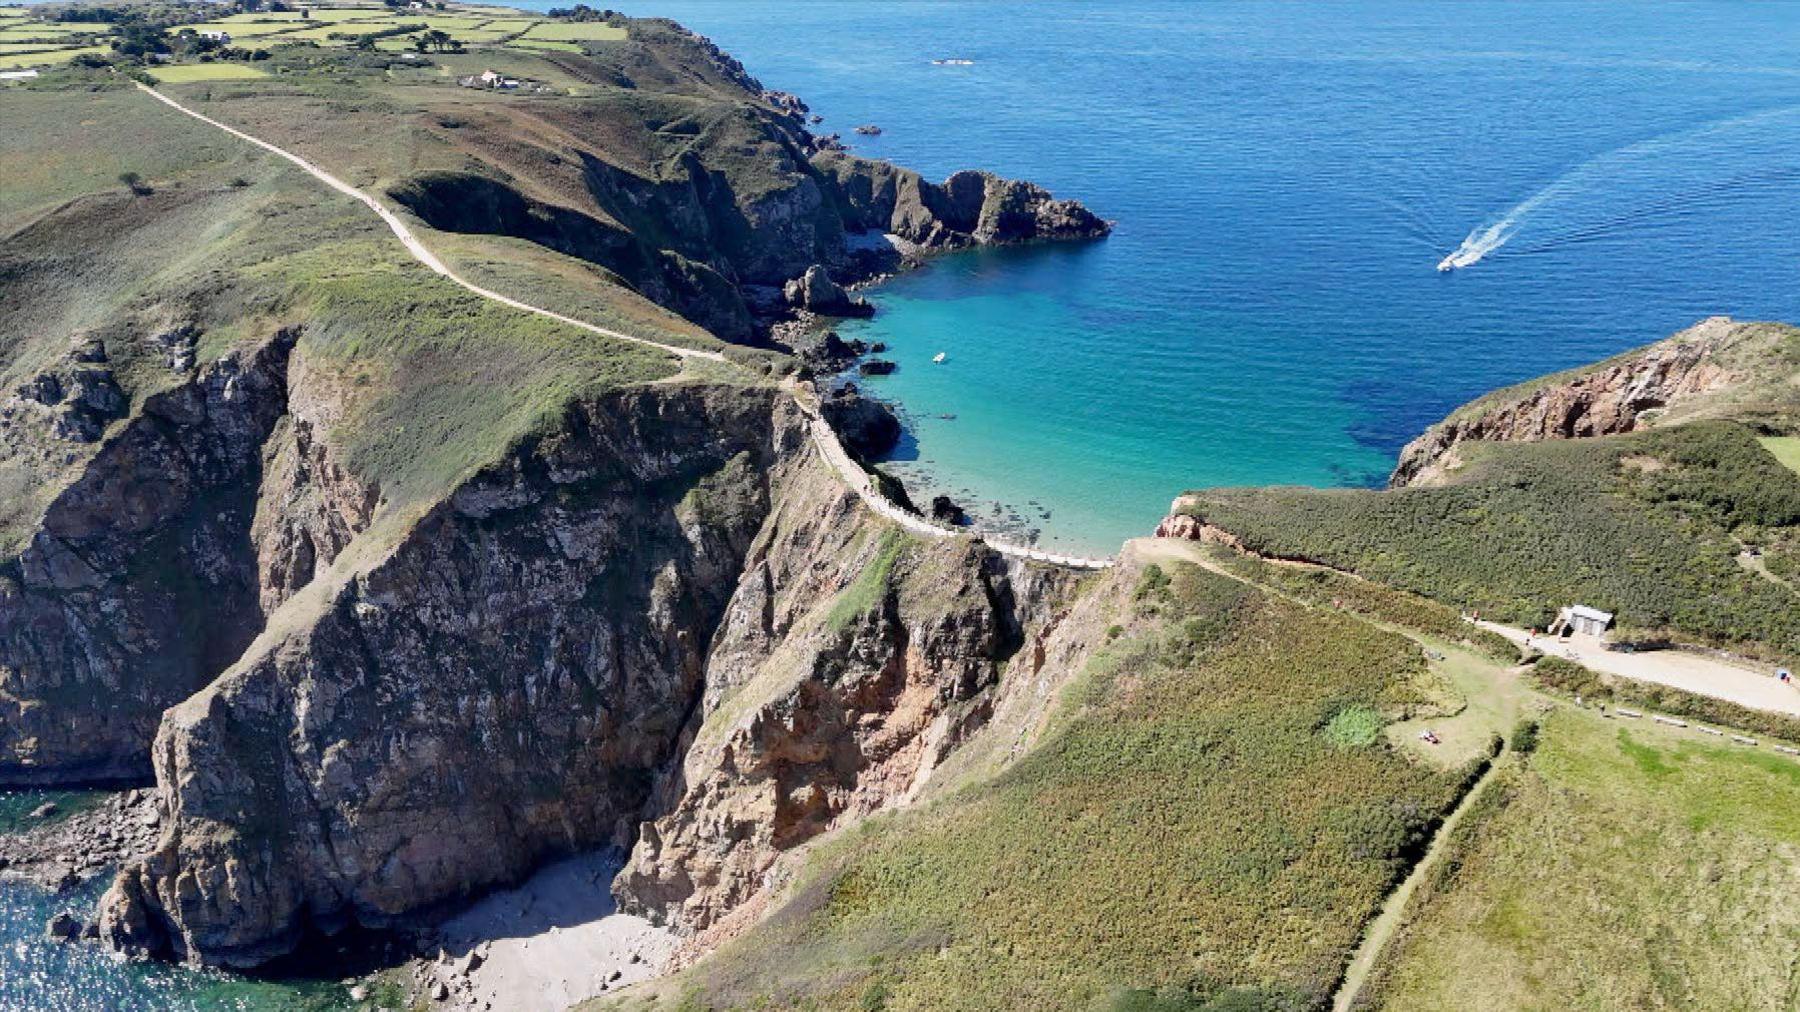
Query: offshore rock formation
point(970, 208)
point(815, 292)
point(1616, 396)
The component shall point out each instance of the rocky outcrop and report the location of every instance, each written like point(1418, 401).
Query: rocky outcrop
point(867, 426)
point(65, 850)
point(815, 292)
point(1617, 396)
point(140, 582)
point(505, 684)
point(1188, 527)
point(969, 208)
point(78, 397)
point(851, 661)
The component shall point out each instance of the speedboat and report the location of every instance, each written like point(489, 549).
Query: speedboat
point(939, 357)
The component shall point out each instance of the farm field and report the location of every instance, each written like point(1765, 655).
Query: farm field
point(576, 32)
point(16, 61)
point(245, 30)
point(185, 73)
point(545, 44)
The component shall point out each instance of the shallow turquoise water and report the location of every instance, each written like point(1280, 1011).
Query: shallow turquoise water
point(1285, 178)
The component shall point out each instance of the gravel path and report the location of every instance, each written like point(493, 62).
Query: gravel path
point(1681, 669)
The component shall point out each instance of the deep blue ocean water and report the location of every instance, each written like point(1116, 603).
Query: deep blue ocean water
point(1285, 179)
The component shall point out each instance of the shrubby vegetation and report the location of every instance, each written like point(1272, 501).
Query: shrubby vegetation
point(1371, 600)
point(1187, 835)
point(1647, 525)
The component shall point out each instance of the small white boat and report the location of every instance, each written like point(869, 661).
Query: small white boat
point(1448, 263)
point(939, 357)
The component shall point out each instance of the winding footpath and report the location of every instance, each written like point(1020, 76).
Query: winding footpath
point(824, 437)
point(411, 241)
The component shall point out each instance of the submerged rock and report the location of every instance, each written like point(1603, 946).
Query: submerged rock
point(62, 927)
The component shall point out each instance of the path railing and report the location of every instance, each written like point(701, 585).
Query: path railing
point(830, 447)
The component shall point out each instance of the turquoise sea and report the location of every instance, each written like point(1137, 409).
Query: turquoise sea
point(1285, 179)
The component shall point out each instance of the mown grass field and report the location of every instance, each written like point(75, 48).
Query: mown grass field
point(1785, 449)
point(1623, 866)
point(545, 44)
point(1212, 817)
point(187, 73)
point(1648, 525)
point(47, 57)
point(587, 31)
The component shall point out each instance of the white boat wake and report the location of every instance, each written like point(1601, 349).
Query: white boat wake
point(1647, 165)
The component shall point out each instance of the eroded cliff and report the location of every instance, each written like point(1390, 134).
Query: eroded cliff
point(140, 582)
point(1712, 369)
point(506, 683)
point(853, 659)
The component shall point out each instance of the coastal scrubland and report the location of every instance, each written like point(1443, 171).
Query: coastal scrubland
point(1649, 525)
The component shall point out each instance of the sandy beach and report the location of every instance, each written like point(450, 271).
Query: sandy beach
point(551, 942)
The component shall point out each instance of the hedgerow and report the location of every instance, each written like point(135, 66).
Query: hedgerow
point(1574, 679)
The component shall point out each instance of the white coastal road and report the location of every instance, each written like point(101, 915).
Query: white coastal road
point(824, 437)
point(1680, 669)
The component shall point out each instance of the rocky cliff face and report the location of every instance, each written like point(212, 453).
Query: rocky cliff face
point(141, 581)
point(707, 194)
point(851, 662)
point(1616, 396)
point(506, 683)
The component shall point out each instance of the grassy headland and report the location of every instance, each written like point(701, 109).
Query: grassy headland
point(1649, 525)
point(1211, 818)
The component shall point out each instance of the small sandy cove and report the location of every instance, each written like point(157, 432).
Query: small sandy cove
point(551, 942)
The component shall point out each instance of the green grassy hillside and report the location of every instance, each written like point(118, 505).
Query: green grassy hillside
point(1650, 525)
point(1620, 867)
point(1208, 823)
point(228, 245)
